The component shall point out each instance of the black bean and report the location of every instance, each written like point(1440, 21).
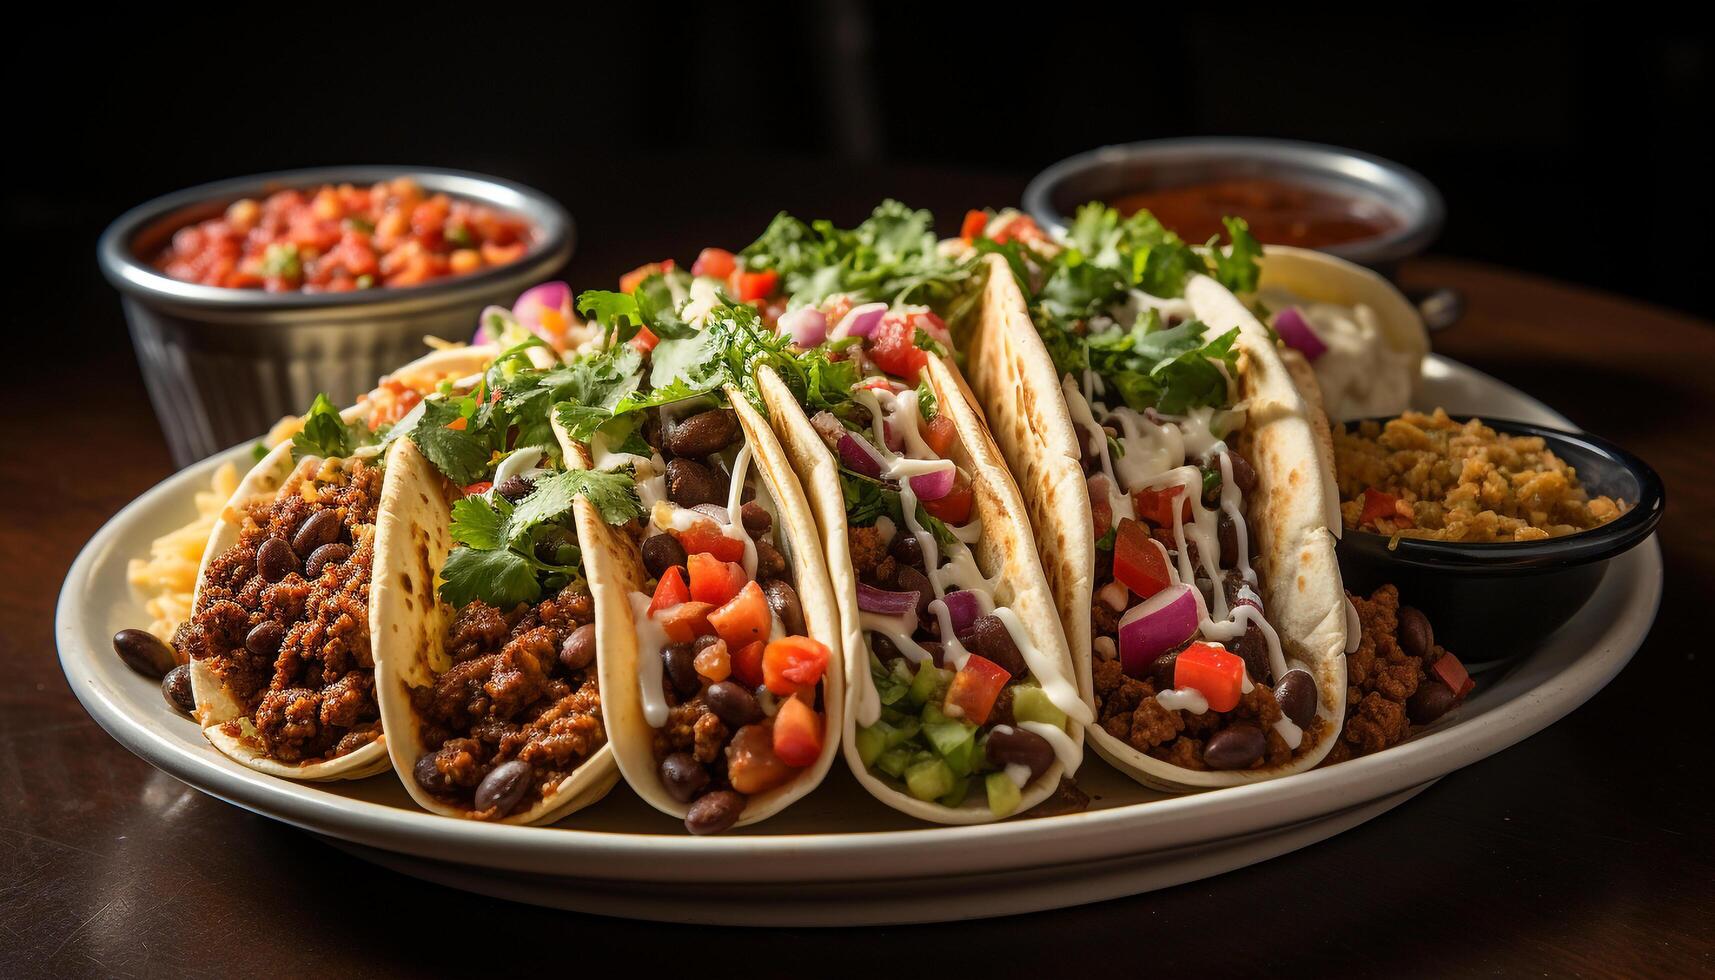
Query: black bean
point(1430, 701)
point(1161, 671)
point(1296, 696)
point(176, 688)
point(429, 775)
point(515, 487)
point(683, 777)
point(1244, 475)
point(1253, 649)
point(990, 639)
point(703, 433)
point(909, 579)
point(264, 638)
point(770, 563)
point(275, 560)
point(661, 552)
point(1228, 533)
point(757, 520)
point(1238, 746)
point(733, 704)
point(1008, 746)
point(883, 648)
point(906, 549)
point(783, 599)
point(327, 554)
point(681, 668)
point(690, 483)
point(322, 528)
point(144, 652)
point(503, 787)
point(703, 642)
point(714, 812)
point(578, 650)
point(1416, 636)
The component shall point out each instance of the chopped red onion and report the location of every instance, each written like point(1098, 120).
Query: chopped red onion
point(1289, 323)
point(1155, 626)
point(963, 608)
point(861, 320)
point(484, 335)
point(859, 456)
point(874, 600)
point(805, 325)
point(934, 486)
point(555, 295)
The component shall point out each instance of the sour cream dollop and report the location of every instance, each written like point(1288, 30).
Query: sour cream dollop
point(1361, 374)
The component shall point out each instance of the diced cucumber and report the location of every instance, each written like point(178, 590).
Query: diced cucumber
point(1030, 703)
point(930, 779)
point(871, 741)
point(903, 732)
point(894, 761)
point(962, 757)
point(929, 684)
point(961, 789)
point(1003, 795)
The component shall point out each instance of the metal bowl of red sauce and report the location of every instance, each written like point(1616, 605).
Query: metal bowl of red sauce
point(247, 297)
point(1359, 207)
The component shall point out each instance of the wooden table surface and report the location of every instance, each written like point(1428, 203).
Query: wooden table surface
point(1586, 849)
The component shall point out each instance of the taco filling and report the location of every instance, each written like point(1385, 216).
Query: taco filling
point(282, 617)
point(1187, 667)
point(957, 703)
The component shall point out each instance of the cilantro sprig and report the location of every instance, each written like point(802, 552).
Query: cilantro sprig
point(324, 433)
point(891, 257)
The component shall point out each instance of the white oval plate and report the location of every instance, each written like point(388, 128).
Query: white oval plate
point(837, 856)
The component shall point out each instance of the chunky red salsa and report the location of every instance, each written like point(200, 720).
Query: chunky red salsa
point(1279, 212)
point(337, 238)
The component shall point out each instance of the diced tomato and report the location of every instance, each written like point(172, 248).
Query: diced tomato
point(1379, 505)
point(631, 280)
point(480, 486)
point(716, 262)
point(955, 507)
point(745, 618)
point(669, 591)
point(1213, 672)
point(933, 325)
point(939, 434)
point(793, 664)
point(749, 286)
point(972, 229)
point(751, 765)
point(1156, 506)
point(1101, 506)
point(686, 621)
point(1018, 226)
point(797, 733)
point(975, 687)
point(712, 580)
point(893, 348)
point(747, 664)
point(645, 340)
point(1453, 674)
point(1140, 564)
point(706, 537)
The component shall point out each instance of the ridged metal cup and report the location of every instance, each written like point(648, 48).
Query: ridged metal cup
point(222, 365)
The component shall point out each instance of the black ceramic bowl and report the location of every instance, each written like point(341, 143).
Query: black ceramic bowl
point(1489, 602)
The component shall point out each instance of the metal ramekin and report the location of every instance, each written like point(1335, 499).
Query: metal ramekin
point(222, 365)
point(1055, 194)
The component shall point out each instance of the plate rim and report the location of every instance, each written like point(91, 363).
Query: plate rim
point(1169, 824)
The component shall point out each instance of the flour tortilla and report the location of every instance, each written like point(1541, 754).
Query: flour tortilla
point(215, 703)
point(614, 563)
point(1004, 548)
point(1292, 513)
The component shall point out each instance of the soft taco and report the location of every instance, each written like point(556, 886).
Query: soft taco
point(484, 606)
point(720, 652)
point(279, 641)
point(1178, 476)
point(961, 704)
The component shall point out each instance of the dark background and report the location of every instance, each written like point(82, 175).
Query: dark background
point(1575, 147)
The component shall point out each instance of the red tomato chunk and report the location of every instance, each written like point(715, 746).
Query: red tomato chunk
point(340, 238)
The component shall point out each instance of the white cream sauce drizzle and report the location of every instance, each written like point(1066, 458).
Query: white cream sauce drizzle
point(650, 639)
point(1065, 749)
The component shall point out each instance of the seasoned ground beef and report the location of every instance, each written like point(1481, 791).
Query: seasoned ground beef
point(294, 650)
point(869, 550)
point(1127, 709)
point(1381, 678)
point(507, 696)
